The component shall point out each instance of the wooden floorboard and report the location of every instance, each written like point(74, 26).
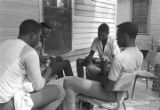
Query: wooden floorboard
point(144, 99)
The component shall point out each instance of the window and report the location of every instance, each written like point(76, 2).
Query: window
point(57, 13)
point(140, 12)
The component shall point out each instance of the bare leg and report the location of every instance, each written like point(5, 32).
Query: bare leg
point(86, 87)
point(49, 98)
point(7, 106)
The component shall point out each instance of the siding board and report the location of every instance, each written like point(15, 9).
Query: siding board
point(8, 31)
point(89, 30)
point(90, 19)
point(95, 14)
point(89, 14)
point(94, 8)
point(90, 25)
point(13, 12)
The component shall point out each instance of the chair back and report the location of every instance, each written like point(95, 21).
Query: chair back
point(125, 81)
point(153, 58)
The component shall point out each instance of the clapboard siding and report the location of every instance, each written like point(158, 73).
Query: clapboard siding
point(93, 14)
point(88, 15)
point(13, 12)
point(90, 25)
point(154, 22)
point(89, 30)
point(148, 40)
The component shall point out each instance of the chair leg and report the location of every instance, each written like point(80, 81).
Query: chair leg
point(146, 83)
point(134, 87)
point(80, 105)
point(124, 106)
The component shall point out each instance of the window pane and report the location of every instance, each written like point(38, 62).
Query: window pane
point(141, 23)
point(140, 14)
point(60, 20)
point(57, 3)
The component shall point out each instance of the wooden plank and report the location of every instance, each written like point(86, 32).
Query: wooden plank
point(9, 31)
point(94, 14)
point(94, 9)
point(156, 26)
point(90, 35)
point(96, 4)
point(89, 30)
point(19, 5)
point(82, 41)
point(104, 5)
point(155, 31)
point(81, 46)
point(110, 2)
point(12, 19)
point(20, 1)
point(3, 38)
point(91, 25)
point(76, 52)
point(90, 19)
point(85, 35)
point(113, 2)
point(85, 30)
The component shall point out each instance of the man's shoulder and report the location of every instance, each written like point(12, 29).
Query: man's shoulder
point(111, 39)
point(28, 50)
point(96, 39)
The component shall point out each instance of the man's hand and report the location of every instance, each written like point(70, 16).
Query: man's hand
point(59, 58)
point(47, 74)
point(88, 60)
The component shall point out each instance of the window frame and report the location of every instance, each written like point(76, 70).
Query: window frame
point(148, 17)
point(41, 19)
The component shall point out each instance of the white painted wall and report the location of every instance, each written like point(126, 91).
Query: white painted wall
point(12, 13)
point(143, 41)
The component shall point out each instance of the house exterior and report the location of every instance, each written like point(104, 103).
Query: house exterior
point(128, 9)
point(87, 15)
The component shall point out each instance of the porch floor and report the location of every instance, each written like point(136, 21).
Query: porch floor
point(143, 99)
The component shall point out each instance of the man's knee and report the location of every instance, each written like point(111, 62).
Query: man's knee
point(80, 61)
point(68, 82)
point(60, 92)
point(7, 106)
point(67, 62)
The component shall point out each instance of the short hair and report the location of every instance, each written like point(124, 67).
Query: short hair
point(43, 24)
point(29, 26)
point(103, 28)
point(130, 28)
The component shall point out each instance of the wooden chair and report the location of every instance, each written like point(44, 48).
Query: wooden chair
point(102, 104)
point(123, 84)
point(151, 59)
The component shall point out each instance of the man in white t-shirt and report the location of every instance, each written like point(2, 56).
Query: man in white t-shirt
point(106, 47)
point(18, 62)
point(126, 63)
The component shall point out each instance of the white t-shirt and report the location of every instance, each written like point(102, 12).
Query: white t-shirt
point(111, 48)
point(129, 61)
point(17, 61)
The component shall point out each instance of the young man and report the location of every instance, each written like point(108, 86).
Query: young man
point(58, 64)
point(128, 62)
point(18, 62)
point(107, 48)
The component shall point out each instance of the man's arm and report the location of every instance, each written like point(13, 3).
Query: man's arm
point(115, 69)
point(32, 65)
point(115, 48)
point(91, 54)
point(108, 84)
